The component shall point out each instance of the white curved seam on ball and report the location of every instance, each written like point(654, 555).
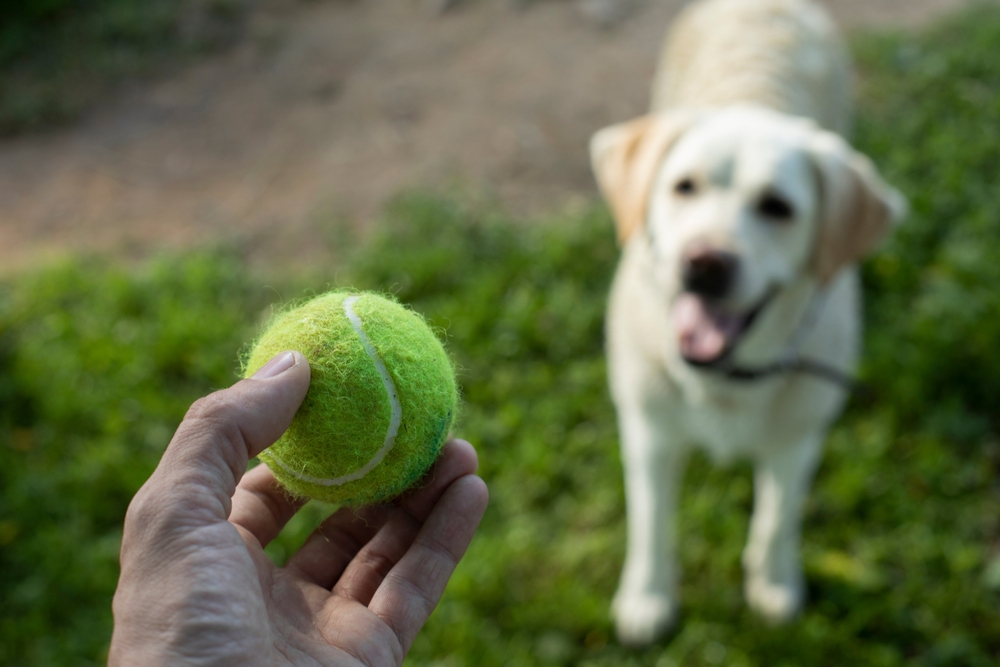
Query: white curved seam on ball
point(394, 420)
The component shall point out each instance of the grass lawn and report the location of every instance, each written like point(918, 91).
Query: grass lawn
point(901, 538)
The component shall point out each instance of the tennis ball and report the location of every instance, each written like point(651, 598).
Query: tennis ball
point(381, 400)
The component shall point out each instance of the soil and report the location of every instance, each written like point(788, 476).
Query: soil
point(328, 109)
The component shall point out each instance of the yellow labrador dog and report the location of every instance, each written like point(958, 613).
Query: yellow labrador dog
point(733, 322)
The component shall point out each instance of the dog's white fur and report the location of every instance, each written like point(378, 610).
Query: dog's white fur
point(752, 97)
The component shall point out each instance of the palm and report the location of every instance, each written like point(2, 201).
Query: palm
point(307, 623)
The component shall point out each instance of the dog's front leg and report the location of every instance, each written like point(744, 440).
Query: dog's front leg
point(646, 604)
point(773, 582)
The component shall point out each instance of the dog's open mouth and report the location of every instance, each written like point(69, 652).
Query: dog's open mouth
point(707, 333)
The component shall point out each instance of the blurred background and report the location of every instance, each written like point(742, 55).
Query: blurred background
point(171, 169)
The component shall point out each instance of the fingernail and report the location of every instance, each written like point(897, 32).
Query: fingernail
point(278, 365)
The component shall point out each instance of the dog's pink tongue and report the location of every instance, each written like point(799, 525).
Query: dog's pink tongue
point(703, 333)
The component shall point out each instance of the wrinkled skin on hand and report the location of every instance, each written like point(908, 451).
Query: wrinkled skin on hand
point(197, 589)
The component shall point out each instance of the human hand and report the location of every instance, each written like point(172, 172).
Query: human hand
point(196, 587)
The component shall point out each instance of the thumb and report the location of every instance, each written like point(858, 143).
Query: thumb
point(208, 455)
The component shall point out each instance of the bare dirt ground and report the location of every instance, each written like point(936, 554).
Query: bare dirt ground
point(330, 108)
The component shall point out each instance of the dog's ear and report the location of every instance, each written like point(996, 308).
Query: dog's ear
point(625, 159)
point(857, 207)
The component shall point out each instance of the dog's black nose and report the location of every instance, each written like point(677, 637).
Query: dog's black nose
point(709, 273)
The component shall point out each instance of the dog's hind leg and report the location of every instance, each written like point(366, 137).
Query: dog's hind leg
point(646, 604)
point(773, 582)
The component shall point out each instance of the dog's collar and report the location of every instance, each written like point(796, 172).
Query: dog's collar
point(789, 362)
point(795, 364)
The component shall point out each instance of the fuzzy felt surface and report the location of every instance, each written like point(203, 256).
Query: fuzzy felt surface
point(344, 419)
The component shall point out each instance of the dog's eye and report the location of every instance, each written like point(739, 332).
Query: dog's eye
point(775, 208)
point(685, 186)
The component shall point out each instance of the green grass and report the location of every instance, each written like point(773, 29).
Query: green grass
point(97, 365)
point(59, 57)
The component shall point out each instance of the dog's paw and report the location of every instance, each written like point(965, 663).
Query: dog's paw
point(642, 618)
point(777, 602)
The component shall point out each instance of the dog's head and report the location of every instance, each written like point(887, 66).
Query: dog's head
point(736, 204)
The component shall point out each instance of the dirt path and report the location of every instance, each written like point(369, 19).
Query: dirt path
point(327, 111)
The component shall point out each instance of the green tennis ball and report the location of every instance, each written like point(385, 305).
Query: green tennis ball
point(380, 403)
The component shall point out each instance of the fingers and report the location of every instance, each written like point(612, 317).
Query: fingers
point(262, 506)
point(336, 542)
point(458, 458)
point(327, 555)
point(208, 455)
point(366, 571)
point(412, 589)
